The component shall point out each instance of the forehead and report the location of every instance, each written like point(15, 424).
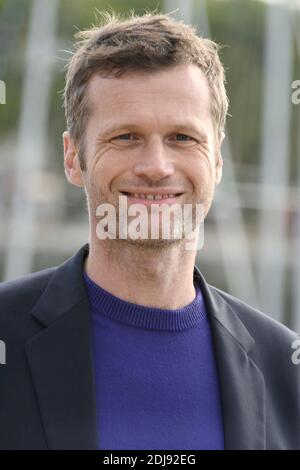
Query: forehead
point(165, 94)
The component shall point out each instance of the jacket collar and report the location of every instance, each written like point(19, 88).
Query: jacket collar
point(242, 383)
point(61, 363)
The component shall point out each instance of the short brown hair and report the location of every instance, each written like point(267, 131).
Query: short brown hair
point(149, 42)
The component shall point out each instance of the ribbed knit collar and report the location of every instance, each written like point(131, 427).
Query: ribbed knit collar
point(104, 303)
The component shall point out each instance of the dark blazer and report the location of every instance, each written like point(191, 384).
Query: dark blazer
point(47, 392)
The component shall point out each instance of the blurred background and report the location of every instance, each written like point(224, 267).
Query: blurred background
point(252, 234)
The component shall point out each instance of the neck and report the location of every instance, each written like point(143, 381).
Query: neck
point(155, 277)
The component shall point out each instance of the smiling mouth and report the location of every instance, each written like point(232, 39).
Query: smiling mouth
point(151, 197)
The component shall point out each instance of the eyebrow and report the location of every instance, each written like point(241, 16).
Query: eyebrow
point(183, 126)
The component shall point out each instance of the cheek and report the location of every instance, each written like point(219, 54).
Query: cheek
point(200, 175)
point(105, 171)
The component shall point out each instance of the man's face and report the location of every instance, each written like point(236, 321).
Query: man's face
point(151, 133)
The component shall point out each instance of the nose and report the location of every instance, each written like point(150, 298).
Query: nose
point(154, 162)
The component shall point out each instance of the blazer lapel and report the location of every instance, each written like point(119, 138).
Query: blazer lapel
point(241, 381)
point(60, 360)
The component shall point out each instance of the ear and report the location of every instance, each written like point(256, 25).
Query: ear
point(71, 161)
point(219, 159)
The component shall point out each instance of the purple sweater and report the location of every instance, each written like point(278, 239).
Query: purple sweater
point(155, 374)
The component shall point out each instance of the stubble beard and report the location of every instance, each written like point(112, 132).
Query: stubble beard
point(95, 197)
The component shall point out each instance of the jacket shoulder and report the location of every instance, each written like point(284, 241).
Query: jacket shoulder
point(22, 293)
point(258, 323)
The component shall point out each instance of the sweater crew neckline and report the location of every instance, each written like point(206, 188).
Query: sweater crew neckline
point(109, 305)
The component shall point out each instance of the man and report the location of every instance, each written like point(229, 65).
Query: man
point(125, 345)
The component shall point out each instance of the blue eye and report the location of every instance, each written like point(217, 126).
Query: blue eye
point(123, 136)
point(184, 136)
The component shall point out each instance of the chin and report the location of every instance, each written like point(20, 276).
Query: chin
point(151, 244)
